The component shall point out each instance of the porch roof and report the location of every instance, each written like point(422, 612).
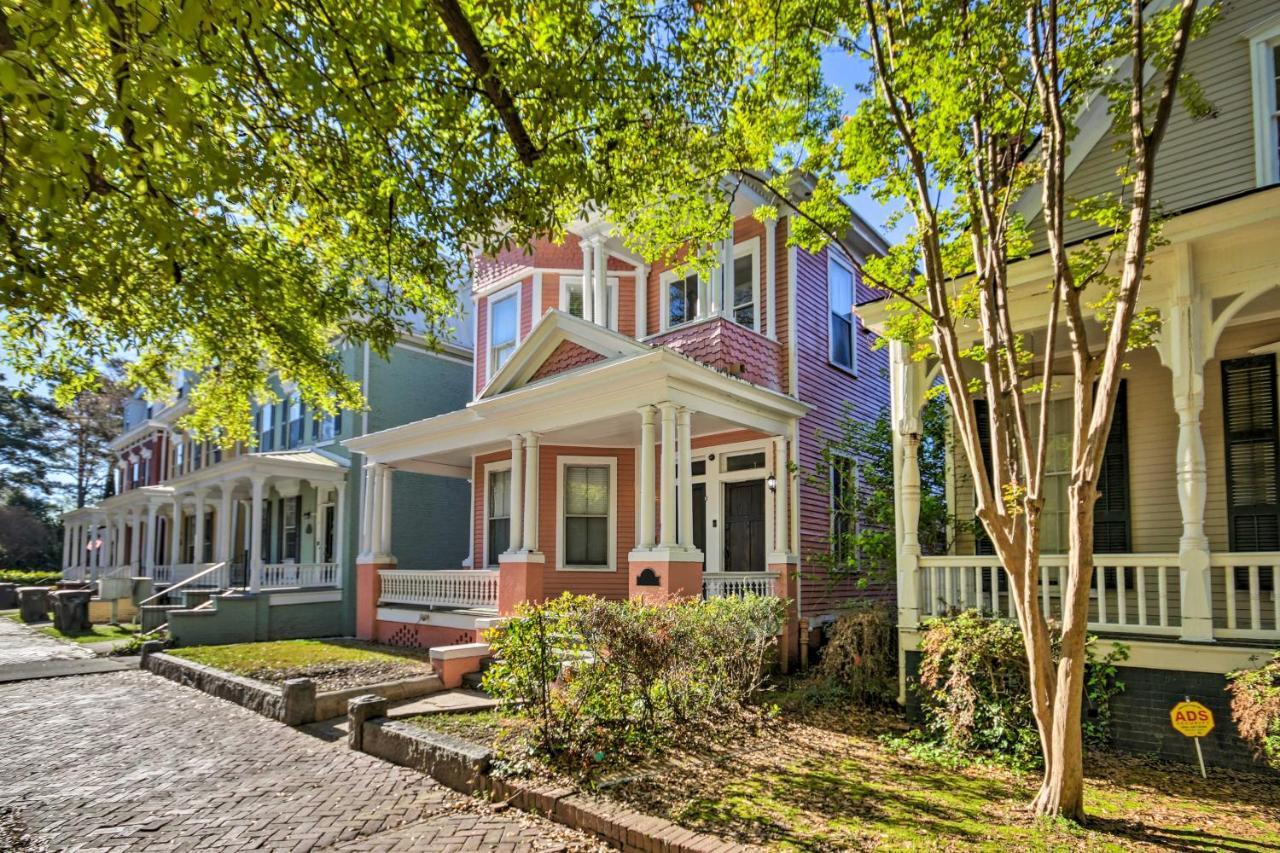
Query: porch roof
point(131, 499)
point(289, 464)
point(593, 405)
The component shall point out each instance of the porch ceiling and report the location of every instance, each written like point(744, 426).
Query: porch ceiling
point(597, 405)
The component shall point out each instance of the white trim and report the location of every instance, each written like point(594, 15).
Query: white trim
point(611, 462)
point(612, 286)
point(516, 291)
point(793, 362)
point(465, 620)
point(664, 301)
point(852, 367)
point(1266, 112)
point(494, 468)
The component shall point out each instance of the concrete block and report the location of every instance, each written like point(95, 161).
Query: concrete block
point(71, 610)
point(298, 697)
point(360, 710)
point(33, 603)
point(8, 596)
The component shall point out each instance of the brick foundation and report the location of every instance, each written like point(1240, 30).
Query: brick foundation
point(413, 636)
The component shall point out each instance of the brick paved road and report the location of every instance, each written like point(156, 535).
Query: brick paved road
point(22, 645)
point(129, 761)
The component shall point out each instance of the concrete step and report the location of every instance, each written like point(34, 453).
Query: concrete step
point(152, 616)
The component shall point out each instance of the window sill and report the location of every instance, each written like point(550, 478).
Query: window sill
point(848, 371)
point(586, 569)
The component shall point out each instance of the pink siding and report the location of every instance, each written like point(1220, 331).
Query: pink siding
point(827, 389)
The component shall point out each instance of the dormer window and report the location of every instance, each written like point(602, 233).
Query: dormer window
point(504, 323)
point(1264, 50)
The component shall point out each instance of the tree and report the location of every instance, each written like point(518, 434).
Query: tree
point(855, 471)
point(231, 186)
point(29, 448)
point(971, 104)
point(88, 424)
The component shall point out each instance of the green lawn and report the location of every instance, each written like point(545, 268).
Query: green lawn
point(829, 783)
point(97, 634)
point(333, 664)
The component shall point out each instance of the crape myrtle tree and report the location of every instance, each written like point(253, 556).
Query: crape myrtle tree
point(231, 186)
point(971, 104)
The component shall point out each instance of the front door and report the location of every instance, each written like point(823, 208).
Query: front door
point(744, 527)
point(700, 520)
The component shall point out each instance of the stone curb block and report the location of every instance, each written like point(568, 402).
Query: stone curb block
point(464, 767)
point(296, 703)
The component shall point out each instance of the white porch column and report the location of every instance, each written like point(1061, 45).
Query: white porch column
point(531, 461)
point(686, 479)
point(198, 550)
point(781, 497)
point(222, 544)
point(726, 263)
point(367, 497)
point(601, 281)
point(175, 533)
point(588, 289)
point(648, 507)
point(906, 396)
point(339, 555)
point(668, 534)
point(66, 544)
point(1182, 348)
point(257, 485)
point(384, 509)
point(642, 301)
point(771, 277)
point(517, 493)
point(96, 557)
point(149, 552)
point(135, 537)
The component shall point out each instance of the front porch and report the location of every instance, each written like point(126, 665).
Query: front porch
point(640, 474)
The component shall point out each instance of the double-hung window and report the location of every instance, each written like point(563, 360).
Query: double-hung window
point(297, 429)
point(843, 348)
point(179, 456)
point(1253, 452)
point(504, 318)
point(682, 299)
point(266, 423)
point(571, 300)
point(587, 503)
point(1264, 47)
point(745, 279)
point(498, 515)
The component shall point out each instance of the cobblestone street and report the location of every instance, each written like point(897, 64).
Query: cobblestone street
point(127, 761)
point(22, 645)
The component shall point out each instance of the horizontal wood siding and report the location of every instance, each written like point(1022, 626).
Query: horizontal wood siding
point(827, 389)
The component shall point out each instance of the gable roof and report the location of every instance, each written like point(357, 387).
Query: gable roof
point(553, 329)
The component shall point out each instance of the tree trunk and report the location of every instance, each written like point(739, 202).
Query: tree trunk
point(1062, 789)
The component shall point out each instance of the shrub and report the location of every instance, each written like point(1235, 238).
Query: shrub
point(602, 681)
point(1255, 707)
point(29, 578)
point(975, 689)
point(860, 657)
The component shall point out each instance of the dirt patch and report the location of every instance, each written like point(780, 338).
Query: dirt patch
point(342, 675)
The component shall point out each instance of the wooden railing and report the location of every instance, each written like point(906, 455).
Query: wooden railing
point(463, 588)
point(276, 575)
point(1134, 593)
point(731, 584)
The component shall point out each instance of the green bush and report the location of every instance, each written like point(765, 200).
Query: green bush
point(29, 578)
point(974, 688)
point(1255, 707)
point(860, 657)
point(602, 682)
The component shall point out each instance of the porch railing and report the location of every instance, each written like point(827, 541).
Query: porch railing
point(1134, 593)
point(462, 588)
point(733, 584)
point(301, 574)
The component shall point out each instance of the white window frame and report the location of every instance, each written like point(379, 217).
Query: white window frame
point(511, 292)
point(747, 247)
point(852, 367)
point(567, 281)
point(564, 462)
point(664, 283)
point(1266, 111)
point(490, 468)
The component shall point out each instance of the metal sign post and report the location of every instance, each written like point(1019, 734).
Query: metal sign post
point(1192, 720)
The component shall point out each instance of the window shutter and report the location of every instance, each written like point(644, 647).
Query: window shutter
point(1253, 453)
point(1111, 512)
point(982, 418)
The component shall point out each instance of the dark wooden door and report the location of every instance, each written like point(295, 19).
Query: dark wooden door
point(700, 519)
point(744, 527)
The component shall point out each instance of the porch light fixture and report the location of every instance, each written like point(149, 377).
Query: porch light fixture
point(772, 483)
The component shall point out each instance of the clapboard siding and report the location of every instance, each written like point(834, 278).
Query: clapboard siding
point(828, 389)
point(1200, 160)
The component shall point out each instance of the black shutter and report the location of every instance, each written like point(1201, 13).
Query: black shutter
point(1111, 512)
point(982, 419)
point(1253, 453)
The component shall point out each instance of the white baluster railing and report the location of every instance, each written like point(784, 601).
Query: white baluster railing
point(1137, 593)
point(289, 575)
point(733, 584)
point(460, 588)
point(1246, 601)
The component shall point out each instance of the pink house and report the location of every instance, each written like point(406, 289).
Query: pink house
point(635, 431)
